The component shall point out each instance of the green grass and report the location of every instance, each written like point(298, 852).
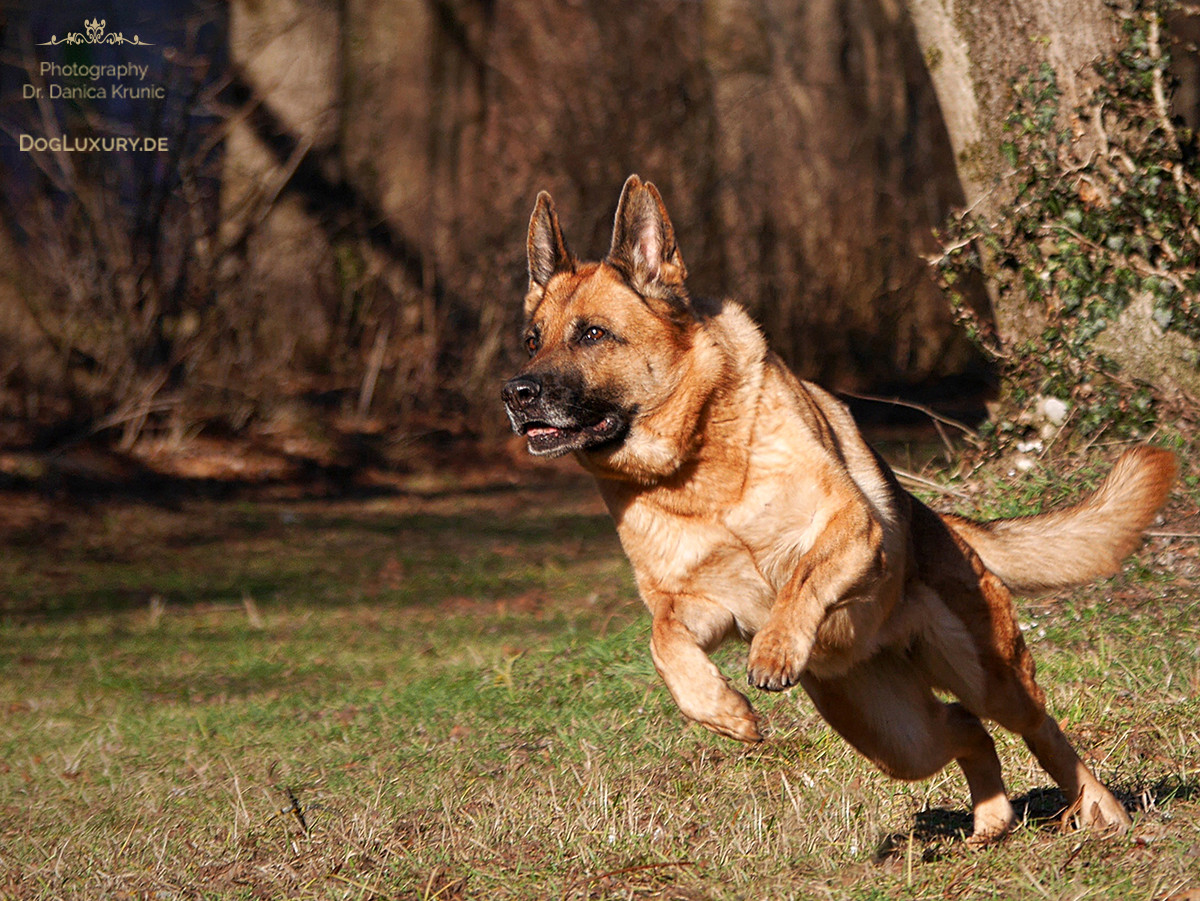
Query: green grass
point(454, 685)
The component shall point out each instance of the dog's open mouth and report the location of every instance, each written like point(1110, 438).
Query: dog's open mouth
point(547, 440)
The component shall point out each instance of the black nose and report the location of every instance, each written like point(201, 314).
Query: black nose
point(520, 392)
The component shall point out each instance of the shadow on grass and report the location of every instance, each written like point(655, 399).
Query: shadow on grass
point(1044, 808)
point(1041, 809)
point(1166, 790)
point(96, 474)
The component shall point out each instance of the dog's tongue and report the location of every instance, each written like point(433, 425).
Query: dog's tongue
point(542, 430)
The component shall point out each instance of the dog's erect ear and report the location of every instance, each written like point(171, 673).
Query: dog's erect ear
point(548, 252)
point(643, 241)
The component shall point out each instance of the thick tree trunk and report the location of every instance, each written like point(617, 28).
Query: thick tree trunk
point(287, 59)
point(976, 51)
point(831, 168)
point(797, 144)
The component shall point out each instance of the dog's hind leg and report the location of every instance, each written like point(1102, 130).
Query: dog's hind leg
point(973, 648)
point(1005, 690)
point(1013, 699)
point(886, 710)
point(1096, 806)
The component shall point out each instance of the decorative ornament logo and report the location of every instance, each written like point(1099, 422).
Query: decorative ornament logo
point(95, 35)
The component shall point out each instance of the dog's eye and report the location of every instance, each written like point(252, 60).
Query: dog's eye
point(532, 344)
point(592, 334)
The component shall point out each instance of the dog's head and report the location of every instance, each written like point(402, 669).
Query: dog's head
point(608, 342)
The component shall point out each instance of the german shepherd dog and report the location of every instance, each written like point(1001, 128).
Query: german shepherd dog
point(749, 504)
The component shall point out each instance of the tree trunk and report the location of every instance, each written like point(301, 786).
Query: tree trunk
point(831, 166)
point(976, 52)
point(975, 49)
point(287, 55)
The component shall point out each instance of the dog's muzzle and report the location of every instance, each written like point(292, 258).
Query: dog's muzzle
point(519, 394)
point(555, 420)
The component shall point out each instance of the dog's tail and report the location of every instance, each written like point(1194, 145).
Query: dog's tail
point(1081, 543)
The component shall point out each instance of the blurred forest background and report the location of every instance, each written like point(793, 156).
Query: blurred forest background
point(329, 260)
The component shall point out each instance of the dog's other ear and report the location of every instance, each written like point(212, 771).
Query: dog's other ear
point(643, 242)
point(548, 252)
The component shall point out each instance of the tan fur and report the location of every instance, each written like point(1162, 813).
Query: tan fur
point(1084, 542)
point(748, 503)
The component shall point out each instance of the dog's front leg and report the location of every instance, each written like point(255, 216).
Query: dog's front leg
point(683, 629)
point(843, 567)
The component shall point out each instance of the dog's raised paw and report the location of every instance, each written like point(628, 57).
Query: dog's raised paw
point(776, 660)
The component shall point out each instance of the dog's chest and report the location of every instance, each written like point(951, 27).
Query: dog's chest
point(738, 557)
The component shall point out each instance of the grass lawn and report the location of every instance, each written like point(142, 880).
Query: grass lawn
point(445, 691)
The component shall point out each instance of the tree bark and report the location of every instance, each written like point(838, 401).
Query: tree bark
point(831, 168)
point(288, 56)
point(976, 51)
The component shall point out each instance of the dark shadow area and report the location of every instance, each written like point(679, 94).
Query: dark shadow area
point(1043, 808)
point(1040, 809)
point(905, 407)
point(354, 465)
point(372, 463)
point(1165, 790)
point(97, 475)
point(379, 256)
point(335, 203)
